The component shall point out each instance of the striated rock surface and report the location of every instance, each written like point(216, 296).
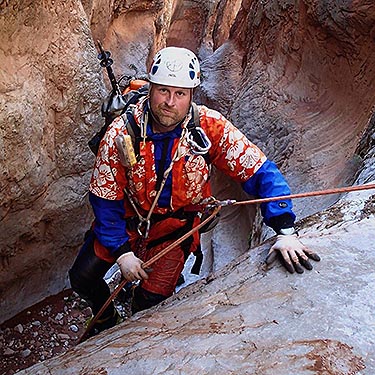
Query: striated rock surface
point(51, 89)
point(304, 71)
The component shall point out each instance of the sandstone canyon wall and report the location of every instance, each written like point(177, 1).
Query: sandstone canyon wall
point(51, 89)
point(296, 76)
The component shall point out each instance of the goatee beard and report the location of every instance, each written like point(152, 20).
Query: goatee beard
point(163, 121)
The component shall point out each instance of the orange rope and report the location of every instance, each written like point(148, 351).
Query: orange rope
point(217, 206)
point(145, 266)
point(303, 195)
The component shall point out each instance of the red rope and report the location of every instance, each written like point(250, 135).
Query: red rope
point(218, 205)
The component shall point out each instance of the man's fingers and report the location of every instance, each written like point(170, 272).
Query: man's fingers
point(288, 265)
point(294, 259)
point(312, 255)
point(298, 267)
point(142, 274)
point(306, 263)
point(287, 261)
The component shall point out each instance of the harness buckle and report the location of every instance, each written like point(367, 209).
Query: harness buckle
point(144, 224)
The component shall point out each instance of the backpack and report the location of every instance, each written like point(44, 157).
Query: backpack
point(115, 105)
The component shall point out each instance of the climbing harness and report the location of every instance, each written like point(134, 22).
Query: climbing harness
point(145, 266)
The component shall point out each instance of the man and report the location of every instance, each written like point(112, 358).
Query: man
point(143, 205)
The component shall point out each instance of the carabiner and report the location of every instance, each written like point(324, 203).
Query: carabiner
point(212, 203)
point(201, 144)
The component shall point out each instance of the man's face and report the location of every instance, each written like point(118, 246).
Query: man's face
point(169, 105)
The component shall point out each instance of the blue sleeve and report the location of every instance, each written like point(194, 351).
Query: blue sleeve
point(269, 182)
point(110, 226)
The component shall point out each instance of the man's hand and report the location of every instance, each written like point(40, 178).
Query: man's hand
point(294, 254)
point(131, 267)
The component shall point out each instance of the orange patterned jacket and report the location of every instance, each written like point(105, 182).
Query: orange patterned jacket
point(231, 152)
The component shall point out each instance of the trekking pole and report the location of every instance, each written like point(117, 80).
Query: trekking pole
point(106, 62)
point(233, 202)
point(145, 265)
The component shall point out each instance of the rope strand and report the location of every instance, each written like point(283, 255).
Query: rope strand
point(145, 266)
point(302, 195)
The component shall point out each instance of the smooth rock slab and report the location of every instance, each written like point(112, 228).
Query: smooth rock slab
point(246, 320)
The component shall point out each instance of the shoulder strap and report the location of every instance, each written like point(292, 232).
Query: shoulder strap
point(131, 126)
point(198, 136)
point(133, 130)
point(195, 114)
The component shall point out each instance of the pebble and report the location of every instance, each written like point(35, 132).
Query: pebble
point(25, 353)
point(74, 328)
point(18, 328)
point(8, 351)
point(63, 336)
point(59, 316)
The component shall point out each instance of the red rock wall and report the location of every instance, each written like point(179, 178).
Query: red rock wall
point(50, 92)
point(300, 78)
point(310, 71)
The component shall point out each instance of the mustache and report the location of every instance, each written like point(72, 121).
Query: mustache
point(167, 107)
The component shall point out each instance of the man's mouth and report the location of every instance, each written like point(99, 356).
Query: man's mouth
point(167, 111)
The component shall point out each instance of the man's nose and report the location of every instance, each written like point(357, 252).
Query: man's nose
point(170, 99)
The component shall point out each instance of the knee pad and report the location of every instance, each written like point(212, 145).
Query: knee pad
point(143, 299)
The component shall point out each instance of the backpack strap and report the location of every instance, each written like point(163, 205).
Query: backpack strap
point(133, 130)
point(195, 114)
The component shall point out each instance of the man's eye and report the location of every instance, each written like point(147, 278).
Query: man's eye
point(181, 93)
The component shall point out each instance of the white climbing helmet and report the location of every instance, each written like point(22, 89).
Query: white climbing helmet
point(175, 66)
